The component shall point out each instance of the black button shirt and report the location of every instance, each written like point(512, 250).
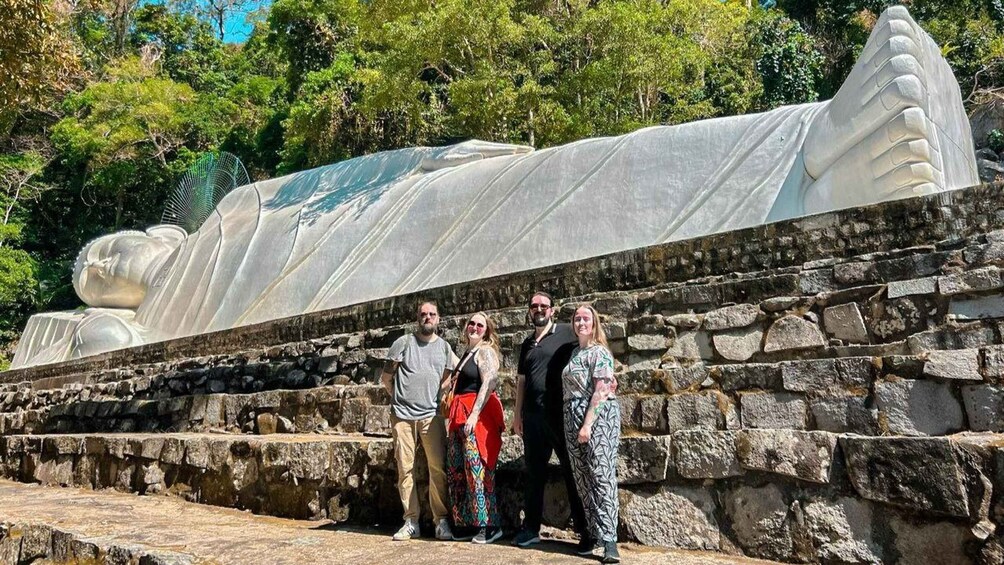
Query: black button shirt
point(541, 363)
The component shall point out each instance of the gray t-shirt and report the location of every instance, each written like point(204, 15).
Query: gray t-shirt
point(419, 372)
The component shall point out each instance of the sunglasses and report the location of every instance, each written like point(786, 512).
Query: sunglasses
point(473, 324)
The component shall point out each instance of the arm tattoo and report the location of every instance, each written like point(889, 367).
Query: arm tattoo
point(488, 365)
point(604, 386)
point(604, 389)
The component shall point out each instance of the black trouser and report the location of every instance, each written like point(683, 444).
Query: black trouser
point(542, 435)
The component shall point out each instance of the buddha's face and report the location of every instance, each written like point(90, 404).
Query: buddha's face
point(114, 271)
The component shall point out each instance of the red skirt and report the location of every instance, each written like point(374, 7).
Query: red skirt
point(488, 431)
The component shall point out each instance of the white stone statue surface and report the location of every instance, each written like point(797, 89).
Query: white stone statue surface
point(417, 218)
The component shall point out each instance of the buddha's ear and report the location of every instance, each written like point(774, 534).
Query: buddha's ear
point(169, 234)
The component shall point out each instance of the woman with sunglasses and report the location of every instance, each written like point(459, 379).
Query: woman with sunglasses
point(475, 425)
point(592, 430)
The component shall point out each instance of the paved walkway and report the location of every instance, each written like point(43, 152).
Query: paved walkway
point(222, 535)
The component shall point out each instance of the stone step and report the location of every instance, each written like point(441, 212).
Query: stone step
point(346, 409)
point(937, 393)
point(778, 494)
point(156, 394)
point(291, 475)
point(351, 477)
point(71, 525)
point(31, 541)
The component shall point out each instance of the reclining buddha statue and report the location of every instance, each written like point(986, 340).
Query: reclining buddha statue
point(422, 217)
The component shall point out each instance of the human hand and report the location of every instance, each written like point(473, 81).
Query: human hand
point(517, 425)
point(584, 434)
point(472, 421)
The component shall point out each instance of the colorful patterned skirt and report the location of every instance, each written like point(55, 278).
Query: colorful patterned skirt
point(469, 477)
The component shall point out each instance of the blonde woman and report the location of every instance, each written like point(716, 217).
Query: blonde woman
point(475, 433)
point(592, 431)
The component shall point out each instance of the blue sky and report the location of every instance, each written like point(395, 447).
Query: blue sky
point(237, 28)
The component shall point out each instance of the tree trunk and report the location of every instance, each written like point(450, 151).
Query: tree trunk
point(119, 206)
point(533, 142)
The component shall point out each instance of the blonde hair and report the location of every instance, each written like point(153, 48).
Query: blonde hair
point(491, 336)
point(599, 336)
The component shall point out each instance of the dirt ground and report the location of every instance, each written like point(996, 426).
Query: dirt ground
point(222, 535)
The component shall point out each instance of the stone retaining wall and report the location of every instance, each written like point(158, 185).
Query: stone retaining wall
point(295, 476)
point(779, 494)
point(934, 393)
point(827, 389)
point(863, 345)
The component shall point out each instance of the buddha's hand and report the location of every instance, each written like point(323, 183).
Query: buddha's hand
point(468, 152)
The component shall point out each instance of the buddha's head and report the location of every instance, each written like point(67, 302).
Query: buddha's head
point(114, 271)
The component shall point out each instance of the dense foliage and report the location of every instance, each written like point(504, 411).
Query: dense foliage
point(104, 103)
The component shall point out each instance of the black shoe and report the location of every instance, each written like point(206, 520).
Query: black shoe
point(526, 538)
point(487, 535)
point(610, 554)
point(586, 545)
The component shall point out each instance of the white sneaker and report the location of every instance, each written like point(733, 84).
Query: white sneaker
point(443, 531)
point(408, 530)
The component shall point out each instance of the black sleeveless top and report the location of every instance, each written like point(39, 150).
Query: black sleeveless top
point(469, 378)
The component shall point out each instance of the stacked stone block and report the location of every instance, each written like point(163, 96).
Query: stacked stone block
point(821, 390)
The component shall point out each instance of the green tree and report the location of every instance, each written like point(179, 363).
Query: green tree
point(36, 57)
point(19, 185)
point(18, 290)
point(319, 127)
point(968, 31)
point(123, 134)
point(185, 47)
point(786, 59)
point(309, 34)
point(19, 188)
point(638, 63)
point(215, 13)
point(459, 69)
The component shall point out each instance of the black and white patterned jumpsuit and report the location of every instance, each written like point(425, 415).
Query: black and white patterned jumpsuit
point(594, 464)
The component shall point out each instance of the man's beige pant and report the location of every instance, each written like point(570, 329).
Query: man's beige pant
point(432, 433)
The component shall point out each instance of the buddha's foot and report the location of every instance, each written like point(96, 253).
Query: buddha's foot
point(896, 127)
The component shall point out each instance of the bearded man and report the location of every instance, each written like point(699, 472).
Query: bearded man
point(538, 417)
point(416, 366)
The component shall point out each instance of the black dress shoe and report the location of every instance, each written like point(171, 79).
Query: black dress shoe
point(586, 545)
point(610, 553)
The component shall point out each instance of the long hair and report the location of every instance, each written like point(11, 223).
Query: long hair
point(491, 337)
point(599, 336)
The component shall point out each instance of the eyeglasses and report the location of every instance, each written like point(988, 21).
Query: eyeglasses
point(538, 306)
point(473, 324)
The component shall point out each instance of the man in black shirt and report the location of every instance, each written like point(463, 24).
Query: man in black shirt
point(538, 416)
